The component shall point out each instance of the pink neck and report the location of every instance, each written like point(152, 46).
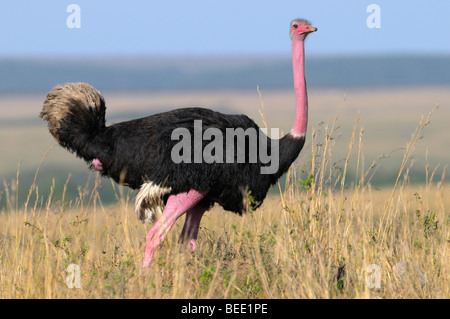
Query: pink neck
point(298, 65)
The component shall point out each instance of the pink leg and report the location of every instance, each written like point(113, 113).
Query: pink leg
point(191, 226)
point(176, 206)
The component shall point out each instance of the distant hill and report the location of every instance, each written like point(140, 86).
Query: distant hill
point(27, 75)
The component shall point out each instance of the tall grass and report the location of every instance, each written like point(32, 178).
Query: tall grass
point(316, 239)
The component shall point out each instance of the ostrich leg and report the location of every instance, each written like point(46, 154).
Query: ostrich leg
point(191, 225)
point(176, 206)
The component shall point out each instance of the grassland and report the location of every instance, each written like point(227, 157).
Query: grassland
point(314, 238)
point(292, 248)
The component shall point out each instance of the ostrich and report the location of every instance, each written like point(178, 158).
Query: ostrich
point(137, 153)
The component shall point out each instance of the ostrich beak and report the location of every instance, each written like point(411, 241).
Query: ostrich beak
point(312, 29)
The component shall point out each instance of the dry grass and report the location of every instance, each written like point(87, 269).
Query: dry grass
point(315, 239)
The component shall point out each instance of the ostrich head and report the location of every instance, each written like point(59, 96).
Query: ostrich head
point(300, 28)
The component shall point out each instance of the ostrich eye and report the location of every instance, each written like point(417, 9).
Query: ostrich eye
point(295, 26)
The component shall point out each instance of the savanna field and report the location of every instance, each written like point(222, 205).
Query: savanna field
point(368, 191)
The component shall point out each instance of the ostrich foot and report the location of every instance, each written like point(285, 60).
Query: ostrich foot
point(191, 226)
point(153, 242)
point(193, 244)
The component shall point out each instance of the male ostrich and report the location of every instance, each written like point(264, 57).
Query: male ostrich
point(137, 153)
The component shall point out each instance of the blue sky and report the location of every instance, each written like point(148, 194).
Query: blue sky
point(233, 27)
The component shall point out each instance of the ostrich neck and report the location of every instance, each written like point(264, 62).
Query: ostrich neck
point(298, 66)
